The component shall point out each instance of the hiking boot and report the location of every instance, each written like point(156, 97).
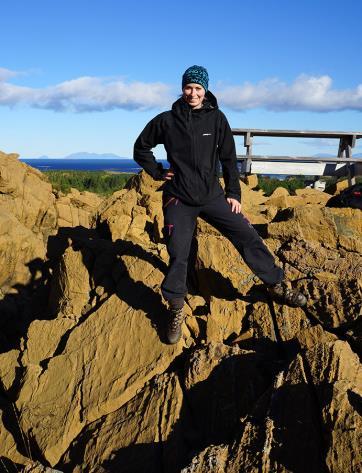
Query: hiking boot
point(282, 293)
point(174, 324)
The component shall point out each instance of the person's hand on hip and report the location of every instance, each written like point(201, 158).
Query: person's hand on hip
point(168, 175)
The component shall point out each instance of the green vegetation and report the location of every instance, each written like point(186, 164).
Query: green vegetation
point(99, 182)
point(268, 185)
point(331, 183)
point(105, 182)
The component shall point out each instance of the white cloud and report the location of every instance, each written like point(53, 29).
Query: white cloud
point(87, 94)
point(6, 74)
point(306, 93)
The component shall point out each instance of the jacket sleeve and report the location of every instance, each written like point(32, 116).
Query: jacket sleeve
point(227, 157)
point(150, 137)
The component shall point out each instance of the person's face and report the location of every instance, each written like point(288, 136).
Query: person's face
point(194, 94)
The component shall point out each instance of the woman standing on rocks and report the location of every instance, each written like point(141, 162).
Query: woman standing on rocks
point(196, 136)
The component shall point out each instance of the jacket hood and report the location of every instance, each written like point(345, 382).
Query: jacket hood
point(210, 102)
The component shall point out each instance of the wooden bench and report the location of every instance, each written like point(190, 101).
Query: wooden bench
point(341, 165)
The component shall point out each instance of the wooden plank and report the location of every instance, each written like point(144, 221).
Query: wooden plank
point(340, 148)
point(307, 159)
point(298, 169)
point(350, 172)
point(296, 133)
point(345, 149)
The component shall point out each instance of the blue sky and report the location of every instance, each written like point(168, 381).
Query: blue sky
point(88, 75)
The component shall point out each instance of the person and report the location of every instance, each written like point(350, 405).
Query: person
point(197, 136)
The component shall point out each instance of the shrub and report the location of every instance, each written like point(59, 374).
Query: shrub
point(99, 182)
point(268, 185)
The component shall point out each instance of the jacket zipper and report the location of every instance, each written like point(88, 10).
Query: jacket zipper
point(191, 128)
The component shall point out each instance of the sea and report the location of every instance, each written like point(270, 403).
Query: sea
point(83, 164)
point(113, 165)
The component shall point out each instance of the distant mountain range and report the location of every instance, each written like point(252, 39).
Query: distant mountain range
point(86, 155)
point(328, 155)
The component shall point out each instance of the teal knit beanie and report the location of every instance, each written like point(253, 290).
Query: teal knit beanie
point(196, 75)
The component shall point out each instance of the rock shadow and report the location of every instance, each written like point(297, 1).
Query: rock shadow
point(25, 303)
point(28, 302)
point(235, 406)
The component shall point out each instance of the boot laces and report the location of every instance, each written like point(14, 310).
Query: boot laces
point(177, 318)
point(292, 296)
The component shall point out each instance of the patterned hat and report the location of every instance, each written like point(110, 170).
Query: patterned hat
point(196, 75)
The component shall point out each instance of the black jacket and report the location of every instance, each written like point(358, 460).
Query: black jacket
point(195, 140)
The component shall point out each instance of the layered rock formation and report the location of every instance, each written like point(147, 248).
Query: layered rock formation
point(87, 381)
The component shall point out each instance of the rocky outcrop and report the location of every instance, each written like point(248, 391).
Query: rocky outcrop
point(27, 218)
point(77, 208)
point(89, 383)
point(309, 418)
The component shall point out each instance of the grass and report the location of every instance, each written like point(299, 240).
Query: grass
point(105, 183)
point(100, 182)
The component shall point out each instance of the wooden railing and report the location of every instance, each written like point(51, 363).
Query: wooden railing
point(341, 165)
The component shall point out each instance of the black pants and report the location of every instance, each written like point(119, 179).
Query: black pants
point(180, 222)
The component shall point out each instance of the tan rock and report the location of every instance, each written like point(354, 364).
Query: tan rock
point(8, 447)
point(284, 324)
point(348, 222)
point(335, 304)
point(311, 223)
point(192, 324)
point(327, 277)
point(342, 381)
point(311, 336)
point(27, 218)
point(256, 218)
point(145, 185)
point(37, 467)
point(270, 212)
point(279, 201)
point(261, 322)
point(313, 196)
point(93, 376)
point(195, 302)
point(43, 348)
point(21, 251)
point(97, 388)
point(213, 459)
point(77, 208)
point(341, 186)
point(26, 195)
point(279, 191)
point(350, 243)
point(250, 198)
point(70, 290)
point(326, 381)
point(9, 364)
point(220, 269)
point(309, 258)
point(137, 229)
point(225, 319)
point(126, 436)
point(282, 200)
point(117, 213)
point(251, 181)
